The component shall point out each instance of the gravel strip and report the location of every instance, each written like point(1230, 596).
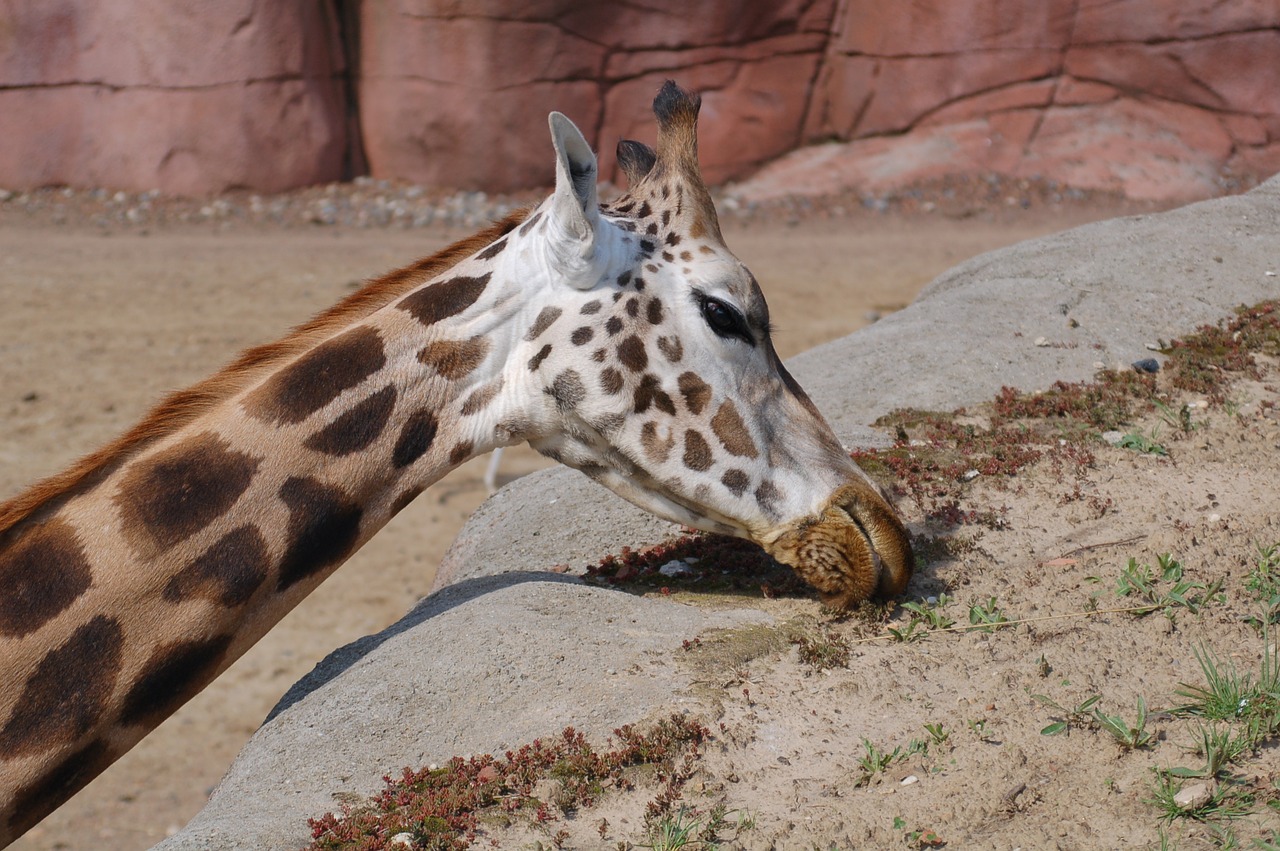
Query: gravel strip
point(369, 203)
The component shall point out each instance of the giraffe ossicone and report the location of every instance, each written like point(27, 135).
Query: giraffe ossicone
point(622, 339)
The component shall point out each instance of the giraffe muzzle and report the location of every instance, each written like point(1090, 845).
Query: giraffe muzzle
point(855, 549)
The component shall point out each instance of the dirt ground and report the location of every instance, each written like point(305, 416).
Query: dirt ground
point(990, 737)
point(97, 324)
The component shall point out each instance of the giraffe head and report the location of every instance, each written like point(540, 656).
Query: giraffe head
point(648, 347)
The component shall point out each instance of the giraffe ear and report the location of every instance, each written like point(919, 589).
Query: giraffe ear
point(574, 201)
point(636, 160)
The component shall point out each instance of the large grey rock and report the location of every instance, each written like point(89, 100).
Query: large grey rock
point(1125, 282)
point(493, 660)
point(484, 665)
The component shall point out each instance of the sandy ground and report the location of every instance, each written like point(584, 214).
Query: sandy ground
point(97, 325)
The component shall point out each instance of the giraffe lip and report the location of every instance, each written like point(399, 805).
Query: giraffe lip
point(855, 549)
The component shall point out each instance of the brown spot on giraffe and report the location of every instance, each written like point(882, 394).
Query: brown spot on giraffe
point(633, 307)
point(227, 573)
point(56, 786)
point(672, 349)
point(657, 449)
point(608, 424)
point(649, 392)
point(737, 481)
point(610, 381)
point(461, 452)
point(480, 399)
point(696, 392)
point(536, 360)
point(42, 573)
point(442, 300)
point(173, 674)
point(592, 307)
point(632, 354)
point(315, 379)
point(402, 501)
point(568, 390)
point(178, 491)
point(416, 437)
point(528, 225)
point(546, 317)
point(357, 428)
point(767, 497)
point(582, 336)
point(612, 326)
point(453, 359)
point(732, 431)
point(493, 250)
point(653, 312)
point(324, 524)
point(697, 453)
point(64, 697)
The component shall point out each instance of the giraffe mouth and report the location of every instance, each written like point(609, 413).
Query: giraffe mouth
point(855, 549)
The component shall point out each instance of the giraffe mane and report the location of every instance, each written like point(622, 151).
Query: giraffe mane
point(183, 406)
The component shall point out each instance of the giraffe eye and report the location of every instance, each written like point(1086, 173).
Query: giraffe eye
point(724, 320)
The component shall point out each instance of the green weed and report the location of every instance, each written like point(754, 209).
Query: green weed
point(1128, 736)
point(1142, 443)
point(986, 615)
point(1138, 579)
point(1078, 715)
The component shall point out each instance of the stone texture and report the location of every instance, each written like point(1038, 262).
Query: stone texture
point(507, 652)
point(190, 98)
point(185, 98)
point(438, 83)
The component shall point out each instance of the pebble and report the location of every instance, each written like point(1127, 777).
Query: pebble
point(676, 567)
point(970, 475)
point(1113, 437)
point(404, 840)
point(1193, 797)
point(1042, 342)
point(909, 779)
point(1149, 365)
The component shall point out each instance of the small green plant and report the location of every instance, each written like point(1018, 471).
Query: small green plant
point(1078, 716)
point(1229, 695)
point(674, 831)
point(937, 734)
point(1138, 579)
point(930, 613)
point(687, 828)
point(1129, 737)
point(909, 633)
point(1180, 420)
point(1263, 583)
point(875, 761)
point(986, 615)
point(978, 726)
point(1140, 442)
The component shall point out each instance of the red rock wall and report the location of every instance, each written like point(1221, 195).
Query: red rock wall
point(443, 82)
point(1154, 99)
point(182, 97)
point(200, 97)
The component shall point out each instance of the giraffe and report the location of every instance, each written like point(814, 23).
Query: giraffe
point(623, 339)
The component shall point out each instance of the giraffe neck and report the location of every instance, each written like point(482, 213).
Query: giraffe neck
point(164, 561)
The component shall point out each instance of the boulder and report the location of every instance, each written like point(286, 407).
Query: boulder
point(507, 653)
